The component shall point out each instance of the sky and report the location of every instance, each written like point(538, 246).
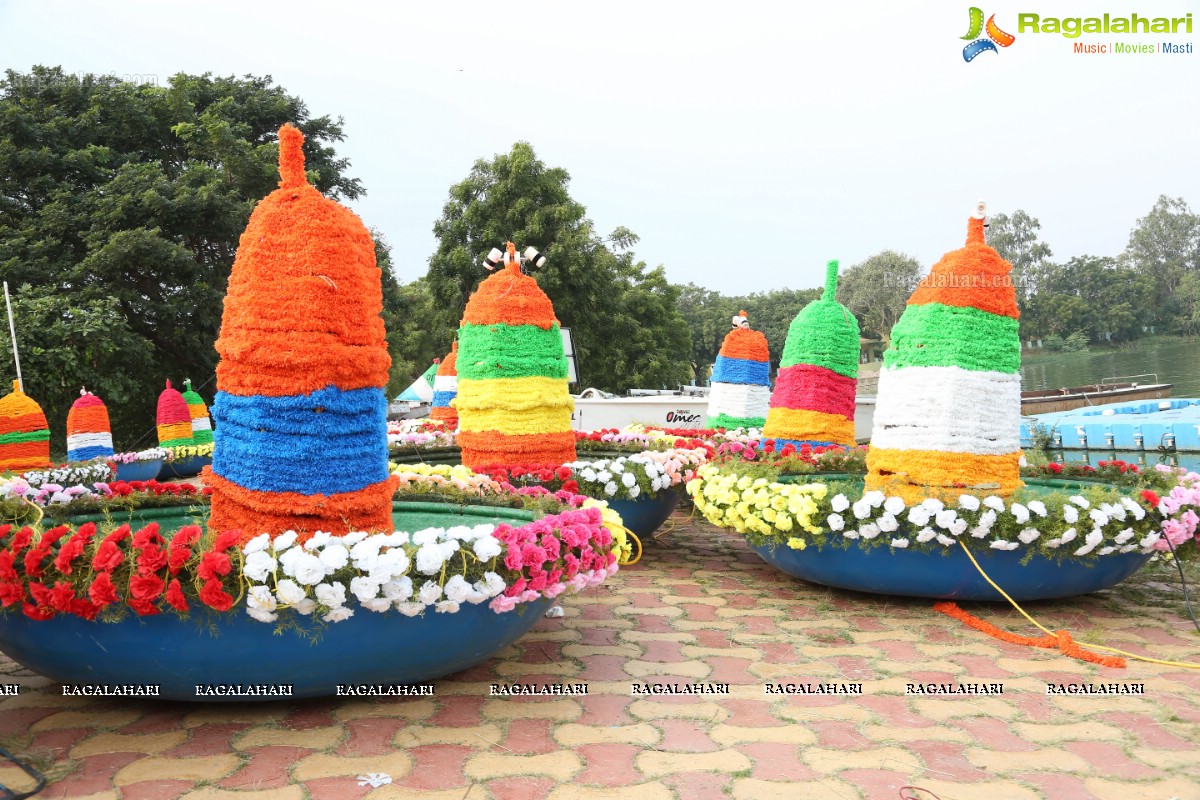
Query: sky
point(745, 143)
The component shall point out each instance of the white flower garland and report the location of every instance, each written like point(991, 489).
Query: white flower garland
point(86, 474)
point(629, 477)
point(410, 573)
point(1104, 528)
point(286, 574)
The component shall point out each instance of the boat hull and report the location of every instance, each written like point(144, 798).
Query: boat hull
point(178, 655)
point(139, 470)
point(951, 575)
point(312, 658)
point(1048, 401)
point(645, 515)
point(184, 467)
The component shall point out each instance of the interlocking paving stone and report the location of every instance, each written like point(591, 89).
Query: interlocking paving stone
point(700, 608)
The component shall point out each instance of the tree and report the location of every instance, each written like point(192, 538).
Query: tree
point(1164, 246)
point(1098, 296)
point(877, 290)
point(709, 314)
point(1016, 239)
point(121, 207)
point(407, 312)
point(625, 325)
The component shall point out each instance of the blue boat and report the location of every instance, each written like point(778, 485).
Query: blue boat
point(1157, 425)
point(179, 655)
point(950, 574)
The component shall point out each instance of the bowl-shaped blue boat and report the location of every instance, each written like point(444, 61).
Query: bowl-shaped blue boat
point(183, 467)
point(139, 470)
point(949, 574)
point(178, 655)
point(645, 515)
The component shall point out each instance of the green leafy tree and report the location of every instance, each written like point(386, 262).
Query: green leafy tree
point(709, 315)
point(407, 311)
point(1097, 296)
point(623, 317)
point(1016, 239)
point(877, 290)
point(1164, 246)
point(772, 313)
point(121, 206)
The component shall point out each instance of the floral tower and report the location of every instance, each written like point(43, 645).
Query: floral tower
point(445, 389)
point(198, 411)
point(949, 401)
point(301, 438)
point(513, 403)
point(24, 434)
point(89, 432)
point(174, 419)
point(813, 401)
point(741, 387)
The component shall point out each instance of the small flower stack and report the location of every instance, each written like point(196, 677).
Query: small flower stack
point(24, 433)
point(813, 401)
point(949, 401)
point(198, 411)
point(740, 393)
point(445, 389)
point(513, 403)
point(174, 419)
point(89, 433)
point(301, 436)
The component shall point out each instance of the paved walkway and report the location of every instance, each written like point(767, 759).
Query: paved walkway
point(700, 608)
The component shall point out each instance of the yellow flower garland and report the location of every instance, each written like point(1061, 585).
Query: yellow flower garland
point(757, 505)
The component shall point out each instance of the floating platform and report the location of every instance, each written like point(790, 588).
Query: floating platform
point(1160, 425)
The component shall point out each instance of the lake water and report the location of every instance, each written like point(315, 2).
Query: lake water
point(1175, 361)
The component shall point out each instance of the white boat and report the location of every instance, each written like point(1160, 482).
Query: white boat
point(687, 409)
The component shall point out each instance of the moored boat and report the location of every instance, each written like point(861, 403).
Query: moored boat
point(1045, 401)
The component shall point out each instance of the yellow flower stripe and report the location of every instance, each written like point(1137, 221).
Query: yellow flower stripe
point(514, 406)
point(757, 505)
point(192, 450)
point(917, 474)
point(816, 425)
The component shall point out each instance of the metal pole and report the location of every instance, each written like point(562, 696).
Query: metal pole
point(12, 331)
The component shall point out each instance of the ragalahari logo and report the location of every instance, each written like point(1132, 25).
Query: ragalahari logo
point(994, 37)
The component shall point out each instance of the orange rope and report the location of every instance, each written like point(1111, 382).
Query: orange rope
point(1060, 639)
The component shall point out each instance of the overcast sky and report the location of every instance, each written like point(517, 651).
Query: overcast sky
point(745, 143)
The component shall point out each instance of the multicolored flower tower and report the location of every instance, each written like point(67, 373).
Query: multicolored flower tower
point(198, 411)
point(513, 403)
point(813, 401)
point(740, 393)
point(301, 438)
point(174, 419)
point(445, 389)
point(948, 411)
point(89, 432)
point(24, 433)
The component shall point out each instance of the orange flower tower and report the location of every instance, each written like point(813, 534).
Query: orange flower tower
point(513, 403)
point(301, 439)
point(948, 412)
point(445, 389)
point(24, 434)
